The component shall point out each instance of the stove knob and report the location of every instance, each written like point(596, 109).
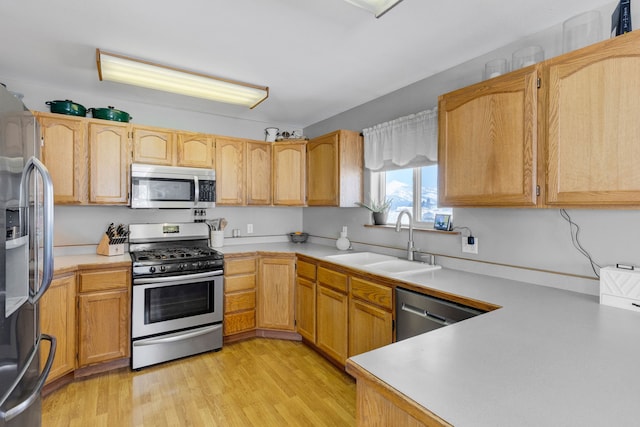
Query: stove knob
point(152, 269)
point(163, 268)
point(181, 267)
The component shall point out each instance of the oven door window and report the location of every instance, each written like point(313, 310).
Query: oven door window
point(174, 302)
point(163, 190)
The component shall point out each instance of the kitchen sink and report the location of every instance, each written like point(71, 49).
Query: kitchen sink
point(360, 258)
point(382, 264)
point(400, 267)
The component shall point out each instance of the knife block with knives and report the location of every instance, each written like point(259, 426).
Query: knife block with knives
point(113, 240)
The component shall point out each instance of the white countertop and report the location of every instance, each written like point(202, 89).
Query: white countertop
point(548, 357)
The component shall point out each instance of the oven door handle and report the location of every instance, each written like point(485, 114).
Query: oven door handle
point(180, 336)
point(187, 278)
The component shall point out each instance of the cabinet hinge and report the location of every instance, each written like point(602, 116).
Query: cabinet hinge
point(539, 83)
point(537, 190)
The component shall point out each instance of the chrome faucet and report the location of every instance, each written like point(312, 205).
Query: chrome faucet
point(410, 248)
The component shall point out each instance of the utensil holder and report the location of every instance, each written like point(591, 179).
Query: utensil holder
point(108, 249)
point(217, 238)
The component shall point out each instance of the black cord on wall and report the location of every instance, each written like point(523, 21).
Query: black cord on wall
point(574, 229)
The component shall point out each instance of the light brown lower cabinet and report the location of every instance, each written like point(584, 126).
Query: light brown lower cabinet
point(340, 313)
point(370, 327)
point(332, 314)
point(370, 316)
point(58, 318)
point(103, 315)
point(306, 300)
point(332, 323)
point(239, 294)
point(276, 305)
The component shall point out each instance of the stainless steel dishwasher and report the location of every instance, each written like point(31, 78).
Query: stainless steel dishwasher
point(418, 313)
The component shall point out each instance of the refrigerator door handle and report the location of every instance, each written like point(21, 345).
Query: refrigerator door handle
point(11, 413)
point(47, 220)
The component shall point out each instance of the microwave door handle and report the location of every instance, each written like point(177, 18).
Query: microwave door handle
point(197, 190)
point(47, 220)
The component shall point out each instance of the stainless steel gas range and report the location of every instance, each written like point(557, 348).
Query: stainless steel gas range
point(178, 289)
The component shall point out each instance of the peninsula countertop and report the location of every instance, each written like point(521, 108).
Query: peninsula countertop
point(547, 357)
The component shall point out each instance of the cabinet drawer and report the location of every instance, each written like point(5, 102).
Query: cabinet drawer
point(306, 270)
point(333, 279)
point(240, 301)
point(104, 280)
point(372, 292)
point(239, 283)
point(239, 266)
point(238, 322)
point(620, 302)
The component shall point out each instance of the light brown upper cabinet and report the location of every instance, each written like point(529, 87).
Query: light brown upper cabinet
point(195, 150)
point(88, 159)
point(566, 128)
point(258, 173)
point(334, 169)
point(243, 172)
point(593, 125)
point(158, 146)
point(230, 171)
point(153, 145)
point(64, 152)
point(108, 162)
point(487, 142)
point(289, 159)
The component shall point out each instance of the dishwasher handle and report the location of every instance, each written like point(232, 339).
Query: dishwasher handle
point(425, 314)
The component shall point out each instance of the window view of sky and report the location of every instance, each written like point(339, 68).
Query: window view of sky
point(399, 188)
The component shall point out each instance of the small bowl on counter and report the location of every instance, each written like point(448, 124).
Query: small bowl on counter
point(298, 237)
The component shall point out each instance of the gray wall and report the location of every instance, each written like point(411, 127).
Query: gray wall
point(533, 239)
point(85, 225)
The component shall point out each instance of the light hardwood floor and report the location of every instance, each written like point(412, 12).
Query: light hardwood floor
point(258, 382)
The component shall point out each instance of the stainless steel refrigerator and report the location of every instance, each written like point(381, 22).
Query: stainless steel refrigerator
point(26, 263)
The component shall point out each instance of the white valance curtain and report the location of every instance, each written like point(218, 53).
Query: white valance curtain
point(406, 142)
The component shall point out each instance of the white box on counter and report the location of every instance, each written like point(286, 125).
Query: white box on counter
point(620, 288)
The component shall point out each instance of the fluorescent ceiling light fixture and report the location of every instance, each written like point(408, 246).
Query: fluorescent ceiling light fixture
point(377, 7)
point(122, 69)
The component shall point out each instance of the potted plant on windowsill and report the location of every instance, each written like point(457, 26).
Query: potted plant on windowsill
point(379, 210)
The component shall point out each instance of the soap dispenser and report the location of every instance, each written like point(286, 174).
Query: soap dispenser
point(343, 243)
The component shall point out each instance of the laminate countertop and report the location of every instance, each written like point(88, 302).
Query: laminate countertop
point(69, 263)
point(547, 357)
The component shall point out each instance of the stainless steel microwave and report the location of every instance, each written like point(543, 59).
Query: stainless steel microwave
point(172, 187)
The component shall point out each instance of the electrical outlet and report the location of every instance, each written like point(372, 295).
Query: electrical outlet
point(467, 248)
point(249, 228)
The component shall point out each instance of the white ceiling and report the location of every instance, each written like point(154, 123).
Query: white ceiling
point(318, 57)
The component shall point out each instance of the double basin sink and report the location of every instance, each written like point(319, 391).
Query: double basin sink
point(382, 264)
